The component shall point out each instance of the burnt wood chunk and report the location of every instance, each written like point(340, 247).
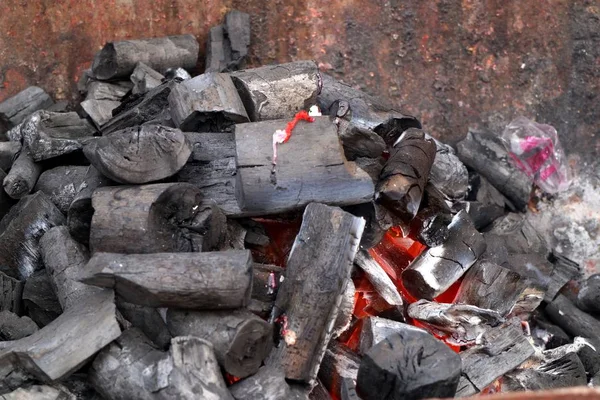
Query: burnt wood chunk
point(265, 282)
point(67, 343)
point(377, 219)
point(448, 174)
point(204, 281)
point(40, 392)
point(23, 175)
point(8, 153)
point(344, 317)
point(379, 279)
point(278, 91)
point(143, 219)
point(338, 363)
point(486, 154)
point(241, 340)
point(463, 323)
point(541, 273)
point(521, 237)
point(113, 91)
point(376, 329)
point(574, 321)
point(355, 133)
point(11, 292)
point(310, 167)
point(588, 298)
point(62, 184)
point(403, 178)
point(308, 300)
point(140, 109)
point(585, 350)
point(409, 364)
point(13, 327)
point(144, 78)
point(237, 26)
point(503, 349)
point(21, 230)
point(218, 50)
point(65, 259)
point(133, 368)
point(139, 155)
point(566, 371)
point(6, 202)
point(39, 299)
point(99, 111)
point(488, 285)
point(118, 59)
point(209, 229)
point(431, 222)
point(206, 103)
point(267, 384)
point(15, 109)
point(148, 320)
point(436, 269)
point(80, 211)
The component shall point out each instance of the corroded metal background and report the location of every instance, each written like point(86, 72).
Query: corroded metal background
point(454, 64)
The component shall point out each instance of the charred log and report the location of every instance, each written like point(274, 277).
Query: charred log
point(574, 321)
point(566, 371)
point(62, 184)
point(23, 175)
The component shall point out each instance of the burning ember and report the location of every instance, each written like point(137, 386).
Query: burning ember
point(272, 233)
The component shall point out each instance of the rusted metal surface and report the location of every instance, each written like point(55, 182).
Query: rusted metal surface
point(453, 63)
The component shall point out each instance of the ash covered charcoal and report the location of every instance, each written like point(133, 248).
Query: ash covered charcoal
point(139, 155)
point(112, 91)
point(448, 174)
point(6, 202)
point(13, 327)
point(379, 279)
point(118, 59)
point(588, 298)
point(206, 103)
point(376, 329)
point(267, 384)
point(344, 317)
point(438, 268)
point(404, 176)
point(408, 364)
point(564, 372)
point(520, 236)
point(585, 351)
point(18, 107)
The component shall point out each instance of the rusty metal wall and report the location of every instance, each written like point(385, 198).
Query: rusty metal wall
point(454, 64)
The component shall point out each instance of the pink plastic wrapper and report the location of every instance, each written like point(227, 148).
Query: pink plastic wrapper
point(534, 148)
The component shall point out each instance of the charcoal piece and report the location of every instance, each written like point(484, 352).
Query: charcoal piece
point(521, 237)
point(503, 349)
point(575, 322)
point(210, 224)
point(206, 103)
point(218, 50)
point(309, 168)
point(404, 176)
point(566, 371)
point(278, 91)
point(463, 323)
point(358, 140)
point(6, 202)
point(148, 320)
point(62, 184)
point(265, 282)
point(177, 73)
point(144, 78)
point(379, 278)
point(344, 317)
point(118, 59)
point(431, 226)
point(133, 368)
point(21, 230)
point(11, 292)
point(376, 329)
point(141, 109)
point(595, 381)
point(436, 269)
point(39, 299)
point(448, 174)
point(266, 384)
point(112, 91)
point(260, 308)
point(552, 335)
point(309, 297)
point(585, 350)
point(65, 259)
point(13, 327)
point(73, 338)
point(496, 250)
point(237, 26)
point(482, 191)
point(377, 221)
point(210, 146)
point(588, 298)
point(18, 107)
point(409, 364)
point(481, 214)
point(363, 112)
point(99, 111)
point(143, 219)
point(488, 285)
point(80, 211)
point(484, 153)
point(23, 175)
point(85, 80)
point(319, 392)
point(528, 302)
point(139, 155)
point(39, 392)
point(213, 280)
point(241, 340)
point(338, 363)
point(8, 153)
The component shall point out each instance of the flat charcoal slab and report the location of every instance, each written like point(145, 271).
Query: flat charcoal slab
point(15, 109)
point(311, 167)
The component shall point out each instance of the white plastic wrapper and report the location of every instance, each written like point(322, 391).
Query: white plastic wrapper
point(535, 149)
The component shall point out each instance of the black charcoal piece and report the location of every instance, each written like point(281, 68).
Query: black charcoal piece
point(218, 50)
point(237, 27)
point(39, 299)
point(448, 174)
point(564, 372)
point(376, 329)
point(403, 178)
point(146, 319)
point(11, 292)
point(62, 184)
point(8, 153)
point(266, 384)
point(99, 111)
point(377, 220)
point(278, 91)
point(118, 59)
point(15, 109)
point(13, 327)
point(409, 364)
point(144, 78)
point(113, 91)
point(6, 202)
point(588, 298)
point(436, 269)
point(563, 312)
point(23, 175)
point(339, 363)
point(379, 278)
point(206, 103)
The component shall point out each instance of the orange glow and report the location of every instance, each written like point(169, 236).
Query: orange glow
point(281, 234)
